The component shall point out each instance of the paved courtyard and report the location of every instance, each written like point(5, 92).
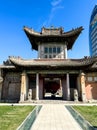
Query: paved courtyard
point(55, 117)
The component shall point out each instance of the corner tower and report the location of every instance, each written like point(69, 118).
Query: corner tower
point(52, 42)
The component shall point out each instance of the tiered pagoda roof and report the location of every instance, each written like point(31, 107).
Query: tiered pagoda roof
point(52, 35)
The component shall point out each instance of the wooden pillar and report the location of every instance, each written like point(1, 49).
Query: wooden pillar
point(68, 86)
point(24, 87)
point(62, 52)
point(83, 92)
point(79, 87)
point(63, 82)
point(1, 81)
point(65, 51)
point(37, 86)
point(40, 88)
point(60, 91)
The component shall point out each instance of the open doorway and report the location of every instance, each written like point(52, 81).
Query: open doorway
point(73, 85)
point(52, 88)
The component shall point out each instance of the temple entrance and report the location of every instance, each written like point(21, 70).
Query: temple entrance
point(52, 88)
point(32, 85)
point(73, 86)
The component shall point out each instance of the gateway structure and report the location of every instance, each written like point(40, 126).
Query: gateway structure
point(52, 75)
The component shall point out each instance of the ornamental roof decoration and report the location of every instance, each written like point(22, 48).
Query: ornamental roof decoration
point(7, 62)
point(52, 31)
point(84, 62)
point(52, 34)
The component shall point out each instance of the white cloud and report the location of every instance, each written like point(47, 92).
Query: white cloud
point(55, 2)
point(55, 6)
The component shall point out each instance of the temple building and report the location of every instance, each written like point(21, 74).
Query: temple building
point(52, 75)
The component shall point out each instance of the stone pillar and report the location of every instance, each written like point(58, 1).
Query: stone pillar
point(83, 92)
point(1, 81)
point(68, 86)
point(24, 87)
point(37, 86)
point(65, 51)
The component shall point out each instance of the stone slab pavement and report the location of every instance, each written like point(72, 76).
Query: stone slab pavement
point(55, 117)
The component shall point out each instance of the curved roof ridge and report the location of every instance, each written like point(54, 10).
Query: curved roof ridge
point(52, 36)
point(49, 62)
point(75, 29)
point(30, 31)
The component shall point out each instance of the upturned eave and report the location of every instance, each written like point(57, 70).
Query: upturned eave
point(36, 38)
point(54, 63)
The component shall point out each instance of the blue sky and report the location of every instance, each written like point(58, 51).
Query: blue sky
point(14, 14)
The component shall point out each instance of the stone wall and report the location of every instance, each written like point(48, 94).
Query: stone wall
point(1, 81)
point(91, 91)
point(11, 87)
point(91, 86)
